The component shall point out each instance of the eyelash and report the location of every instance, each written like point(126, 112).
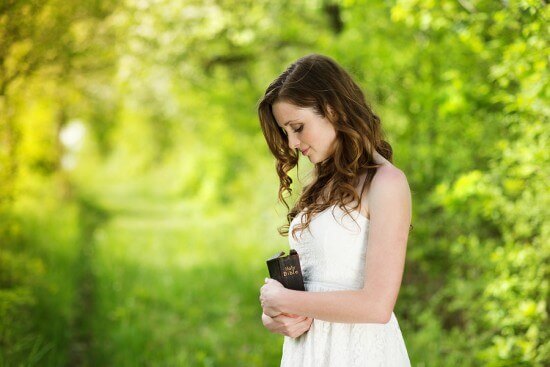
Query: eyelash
point(299, 129)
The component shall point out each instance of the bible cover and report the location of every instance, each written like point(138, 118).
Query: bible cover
point(286, 270)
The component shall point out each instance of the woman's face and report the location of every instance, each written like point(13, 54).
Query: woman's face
point(312, 134)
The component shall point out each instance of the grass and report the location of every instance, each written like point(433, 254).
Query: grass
point(151, 281)
point(175, 288)
point(138, 278)
point(47, 251)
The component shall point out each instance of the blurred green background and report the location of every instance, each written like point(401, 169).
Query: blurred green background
point(138, 199)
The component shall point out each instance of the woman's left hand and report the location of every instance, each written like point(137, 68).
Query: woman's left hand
point(271, 294)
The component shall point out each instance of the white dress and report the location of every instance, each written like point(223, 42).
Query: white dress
point(332, 257)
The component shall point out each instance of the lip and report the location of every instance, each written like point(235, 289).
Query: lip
point(304, 152)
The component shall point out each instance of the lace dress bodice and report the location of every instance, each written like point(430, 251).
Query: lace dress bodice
point(332, 254)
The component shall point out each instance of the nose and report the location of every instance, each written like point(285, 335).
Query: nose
point(292, 142)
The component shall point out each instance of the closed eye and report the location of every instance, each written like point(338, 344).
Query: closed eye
point(299, 129)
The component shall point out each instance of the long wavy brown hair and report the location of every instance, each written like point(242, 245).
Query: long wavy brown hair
point(318, 82)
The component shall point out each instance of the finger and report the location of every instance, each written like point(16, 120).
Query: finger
point(296, 330)
point(270, 312)
point(300, 317)
point(302, 327)
point(285, 319)
point(292, 315)
point(297, 318)
point(299, 328)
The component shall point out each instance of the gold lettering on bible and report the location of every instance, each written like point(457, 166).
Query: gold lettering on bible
point(289, 270)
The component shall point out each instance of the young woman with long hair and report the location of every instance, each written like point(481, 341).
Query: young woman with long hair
point(350, 224)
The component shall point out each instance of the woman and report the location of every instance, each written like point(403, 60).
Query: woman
point(349, 226)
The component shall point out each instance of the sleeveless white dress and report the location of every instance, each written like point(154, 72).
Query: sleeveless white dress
point(332, 256)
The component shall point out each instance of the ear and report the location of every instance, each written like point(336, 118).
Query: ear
point(331, 113)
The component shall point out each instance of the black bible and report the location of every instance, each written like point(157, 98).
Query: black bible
point(286, 270)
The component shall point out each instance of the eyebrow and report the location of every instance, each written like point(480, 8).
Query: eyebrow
point(289, 121)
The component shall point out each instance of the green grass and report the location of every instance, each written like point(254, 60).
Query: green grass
point(135, 278)
point(126, 279)
point(174, 288)
point(47, 272)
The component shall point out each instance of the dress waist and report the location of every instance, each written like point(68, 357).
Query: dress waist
point(315, 286)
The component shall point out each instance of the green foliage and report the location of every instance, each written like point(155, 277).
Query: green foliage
point(36, 291)
point(180, 186)
point(501, 254)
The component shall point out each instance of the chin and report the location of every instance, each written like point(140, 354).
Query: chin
point(315, 161)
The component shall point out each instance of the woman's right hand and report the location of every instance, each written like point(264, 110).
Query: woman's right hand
point(287, 324)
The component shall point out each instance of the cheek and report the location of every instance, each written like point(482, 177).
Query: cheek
point(311, 138)
point(322, 140)
point(330, 137)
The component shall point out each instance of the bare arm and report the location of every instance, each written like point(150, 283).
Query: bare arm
point(289, 325)
point(390, 217)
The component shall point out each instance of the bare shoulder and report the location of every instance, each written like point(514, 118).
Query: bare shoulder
point(389, 175)
point(388, 182)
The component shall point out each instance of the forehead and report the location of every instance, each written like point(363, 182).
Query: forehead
point(285, 111)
